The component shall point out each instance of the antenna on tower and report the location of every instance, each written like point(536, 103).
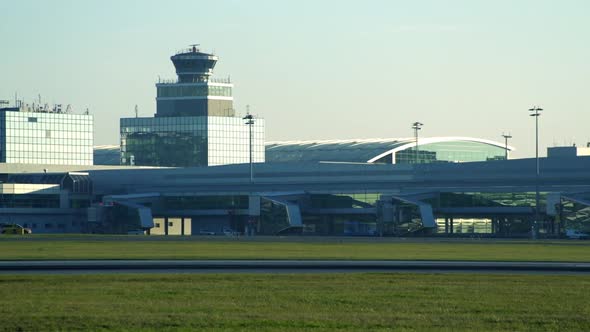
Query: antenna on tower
point(136, 111)
point(194, 47)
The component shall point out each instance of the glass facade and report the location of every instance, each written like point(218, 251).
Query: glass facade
point(194, 90)
point(466, 226)
point(46, 138)
point(228, 141)
point(455, 151)
point(575, 216)
point(385, 151)
point(189, 141)
point(164, 141)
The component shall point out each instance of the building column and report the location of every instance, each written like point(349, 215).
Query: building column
point(452, 226)
point(494, 225)
point(253, 215)
point(165, 225)
point(446, 225)
point(64, 199)
point(182, 226)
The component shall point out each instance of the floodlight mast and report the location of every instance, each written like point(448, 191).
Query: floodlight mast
point(250, 122)
point(416, 126)
point(536, 112)
point(506, 137)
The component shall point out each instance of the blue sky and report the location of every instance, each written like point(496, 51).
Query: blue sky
point(318, 69)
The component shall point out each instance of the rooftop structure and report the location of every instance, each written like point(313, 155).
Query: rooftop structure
point(568, 151)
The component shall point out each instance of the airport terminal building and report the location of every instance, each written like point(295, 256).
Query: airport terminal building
point(185, 171)
point(447, 186)
point(488, 198)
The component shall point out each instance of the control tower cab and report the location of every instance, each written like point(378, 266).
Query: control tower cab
point(195, 92)
point(194, 66)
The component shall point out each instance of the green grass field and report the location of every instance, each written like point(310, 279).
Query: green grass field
point(306, 302)
point(134, 247)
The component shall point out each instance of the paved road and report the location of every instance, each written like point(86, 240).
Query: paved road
point(286, 266)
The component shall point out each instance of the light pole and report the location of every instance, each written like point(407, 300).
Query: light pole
point(506, 137)
point(536, 112)
point(416, 126)
point(250, 122)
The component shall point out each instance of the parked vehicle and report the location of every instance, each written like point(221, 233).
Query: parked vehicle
point(575, 234)
point(230, 232)
point(14, 229)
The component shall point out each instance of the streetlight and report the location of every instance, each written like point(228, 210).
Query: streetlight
point(535, 111)
point(506, 137)
point(250, 122)
point(416, 126)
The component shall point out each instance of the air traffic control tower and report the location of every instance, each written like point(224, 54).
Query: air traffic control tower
point(195, 123)
point(195, 93)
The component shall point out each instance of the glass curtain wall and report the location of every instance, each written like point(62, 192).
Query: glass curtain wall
point(165, 141)
point(46, 138)
point(462, 151)
point(189, 141)
point(193, 90)
point(229, 141)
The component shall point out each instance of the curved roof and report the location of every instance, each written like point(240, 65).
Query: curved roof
point(354, 150)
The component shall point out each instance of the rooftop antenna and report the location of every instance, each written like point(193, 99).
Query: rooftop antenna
point(136, 111)
point(87, 112)
point(194, 47)
point(39, 99)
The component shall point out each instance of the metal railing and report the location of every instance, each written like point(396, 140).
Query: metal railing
point(224, 80)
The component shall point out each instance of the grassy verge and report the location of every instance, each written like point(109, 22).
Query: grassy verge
point(96, 247)
point(344, 302)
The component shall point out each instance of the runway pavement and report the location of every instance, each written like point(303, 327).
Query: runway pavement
point(285, 266)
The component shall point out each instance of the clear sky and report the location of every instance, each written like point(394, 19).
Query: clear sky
point(318, 69)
